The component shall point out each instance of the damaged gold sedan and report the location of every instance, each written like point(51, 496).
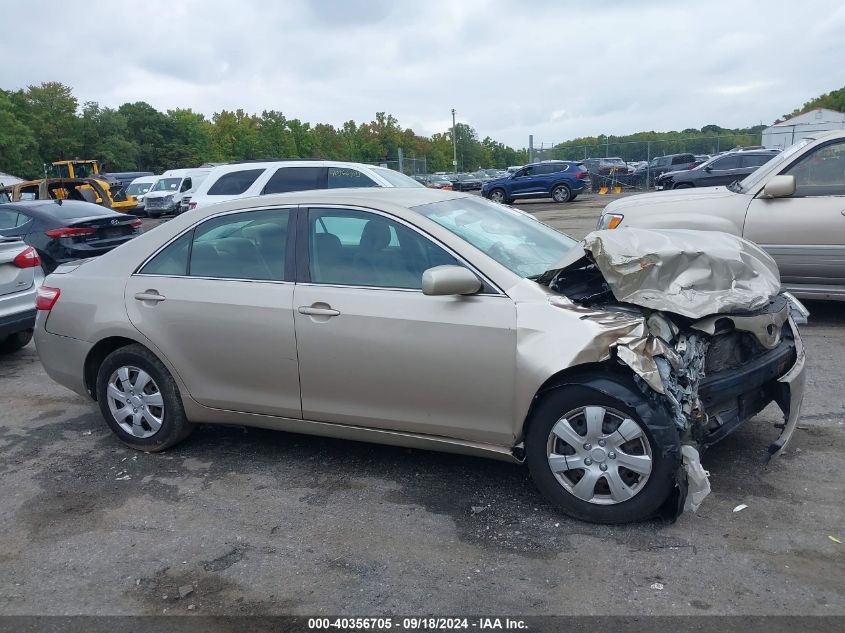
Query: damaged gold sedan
point(442, 321)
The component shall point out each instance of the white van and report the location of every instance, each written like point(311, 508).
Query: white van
point(166, 194)
point(243, 180)
point(139, 188)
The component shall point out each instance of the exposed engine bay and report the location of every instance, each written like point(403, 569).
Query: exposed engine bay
point(700, 320)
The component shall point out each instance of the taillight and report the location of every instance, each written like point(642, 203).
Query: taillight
point(192, 206)
point(692, 166)
point(136, 223)
point(46, 298)
point(27, 259)
point(70, 231)
point(582, 175)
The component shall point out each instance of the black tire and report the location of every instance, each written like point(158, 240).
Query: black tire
point(503, 193)
point(14, 342)
point(175, 426)
point(659, 429)
point(153, 215)
point(561, 193)
point(683, 185)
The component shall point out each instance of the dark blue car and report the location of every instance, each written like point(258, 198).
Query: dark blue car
point(560, 180)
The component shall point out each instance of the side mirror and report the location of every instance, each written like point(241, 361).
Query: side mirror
point(449, 280)
point(779, 187)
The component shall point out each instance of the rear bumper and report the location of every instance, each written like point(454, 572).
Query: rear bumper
point(14, 323)
point(63, 357)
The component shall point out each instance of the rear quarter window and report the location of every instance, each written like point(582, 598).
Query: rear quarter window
point(296, 179)
point(235, 182)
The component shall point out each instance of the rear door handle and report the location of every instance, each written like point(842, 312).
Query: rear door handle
point(149, 295)
point(318, 311)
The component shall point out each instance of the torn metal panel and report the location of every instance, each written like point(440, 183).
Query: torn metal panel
point(692, 273)
point(765, 324)
point(698, 479)
point(790, 402)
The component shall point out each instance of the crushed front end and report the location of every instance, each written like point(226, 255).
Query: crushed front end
point(701, 322)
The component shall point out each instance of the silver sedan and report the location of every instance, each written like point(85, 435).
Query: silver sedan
point(427, 319)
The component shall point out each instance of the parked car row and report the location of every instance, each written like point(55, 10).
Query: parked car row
point(721, 169)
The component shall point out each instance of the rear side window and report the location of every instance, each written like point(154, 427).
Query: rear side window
point(755, 160)
point(296, 179)
point(728, 162)
point(173, 260)
point(345, 177)
point(683, 159)
point(248, 245)
point(11, 219)
point(234, 183)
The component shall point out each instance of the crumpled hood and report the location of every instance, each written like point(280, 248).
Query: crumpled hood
point(692, 273)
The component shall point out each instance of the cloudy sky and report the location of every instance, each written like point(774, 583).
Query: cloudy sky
point(552, 68)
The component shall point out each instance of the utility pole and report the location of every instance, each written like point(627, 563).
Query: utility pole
point(454, 145)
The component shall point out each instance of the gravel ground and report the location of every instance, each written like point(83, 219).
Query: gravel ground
point(238, 521)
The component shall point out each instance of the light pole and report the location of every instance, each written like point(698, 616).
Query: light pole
point(454, 145)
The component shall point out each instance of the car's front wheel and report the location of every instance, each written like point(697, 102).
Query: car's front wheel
point(498, 195)
point(561, 193)
point(597, 458)
point(140, 401)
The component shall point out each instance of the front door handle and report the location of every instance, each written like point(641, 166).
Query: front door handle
point(315, 311)
point(149, 295)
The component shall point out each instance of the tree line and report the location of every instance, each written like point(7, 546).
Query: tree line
point(45, 123)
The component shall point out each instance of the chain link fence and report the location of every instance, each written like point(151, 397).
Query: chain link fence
point(408, 166)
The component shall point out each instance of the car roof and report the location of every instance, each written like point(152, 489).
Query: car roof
point(248, 165)
point(405, 197)
point(44, 208)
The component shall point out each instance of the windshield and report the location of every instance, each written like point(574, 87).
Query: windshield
point(167, 184)
point(513, 238)
point(773, 165)
point(395, 178)
point(138, 188)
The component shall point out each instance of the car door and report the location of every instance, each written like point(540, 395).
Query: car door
point(374, 351)
point(722, 171)
point(805, 232)
point(527, 181)
point(217, 301)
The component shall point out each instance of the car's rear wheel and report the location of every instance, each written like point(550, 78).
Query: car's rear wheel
point(596, 458)
point(14, 342)
point(498, 195)
point(561, 193)
point(683, 185)
point(140, 401)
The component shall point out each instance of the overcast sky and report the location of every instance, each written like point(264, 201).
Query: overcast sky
point(551, 68)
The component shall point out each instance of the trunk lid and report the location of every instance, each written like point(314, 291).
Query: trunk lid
point(102, 230)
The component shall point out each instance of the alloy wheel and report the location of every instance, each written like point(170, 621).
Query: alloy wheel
point(599, 455)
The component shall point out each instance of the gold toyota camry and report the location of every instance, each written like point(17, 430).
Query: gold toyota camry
point(442, 321)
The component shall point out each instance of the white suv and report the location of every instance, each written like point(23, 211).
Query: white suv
point(247, 179)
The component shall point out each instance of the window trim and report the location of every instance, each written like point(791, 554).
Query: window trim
point(290, 242)
point(303, 272)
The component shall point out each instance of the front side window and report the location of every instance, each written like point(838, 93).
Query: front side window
point(248, 245)
point(234, 183)
point(515, 239)
point(296, 179)
point(186, 184)
point(340, 177)
point(356, 248)
point(395, 178)
point(820, 173)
